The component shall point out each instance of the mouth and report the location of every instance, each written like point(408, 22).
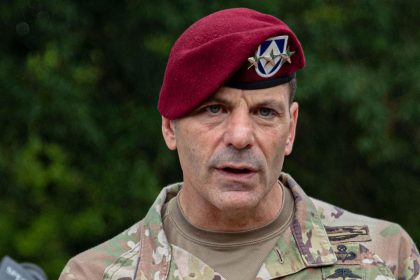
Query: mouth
point(237, 171)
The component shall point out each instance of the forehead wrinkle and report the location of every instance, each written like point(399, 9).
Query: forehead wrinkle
point(274, 96)
point(252, 98)
point(226, 96)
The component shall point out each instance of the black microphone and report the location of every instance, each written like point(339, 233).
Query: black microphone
point(11, 270)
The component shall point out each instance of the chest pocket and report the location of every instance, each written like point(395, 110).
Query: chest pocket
point(354, 260)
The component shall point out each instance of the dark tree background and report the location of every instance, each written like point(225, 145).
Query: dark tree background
point(81, 155)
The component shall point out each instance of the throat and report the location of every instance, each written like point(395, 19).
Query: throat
point(207, 216)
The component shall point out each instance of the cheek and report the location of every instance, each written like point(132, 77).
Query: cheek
point(273, 138)
point(190, 151)
point(187, 155)
point(275, 144)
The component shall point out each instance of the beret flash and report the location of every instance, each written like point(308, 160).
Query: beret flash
point(237, 47)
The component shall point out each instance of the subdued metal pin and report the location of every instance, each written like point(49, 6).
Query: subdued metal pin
point(279, 255)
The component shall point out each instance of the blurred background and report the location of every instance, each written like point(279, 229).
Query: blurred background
point(81, 154)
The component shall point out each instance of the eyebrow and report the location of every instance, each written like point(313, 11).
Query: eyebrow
point(271, 103)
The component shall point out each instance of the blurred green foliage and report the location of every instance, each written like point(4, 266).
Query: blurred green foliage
point(81, 155)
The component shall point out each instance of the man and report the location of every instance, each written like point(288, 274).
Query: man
point(227, 108)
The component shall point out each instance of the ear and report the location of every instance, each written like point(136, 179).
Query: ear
point(168, 132)
point(294, 112)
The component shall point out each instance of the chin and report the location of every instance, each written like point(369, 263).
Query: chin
point(237, 202)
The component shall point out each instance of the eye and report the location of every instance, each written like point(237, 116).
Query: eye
point(265, 112)
point(214, 109)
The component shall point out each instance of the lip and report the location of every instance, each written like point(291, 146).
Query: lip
point(236, 172)
point(237, 167)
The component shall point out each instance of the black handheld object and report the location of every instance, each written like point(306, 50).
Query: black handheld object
point(11, 270)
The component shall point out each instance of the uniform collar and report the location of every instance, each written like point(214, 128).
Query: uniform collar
point(155, 251)
point(304, 244)
point(306, 231)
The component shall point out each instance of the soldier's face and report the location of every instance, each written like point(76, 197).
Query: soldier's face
point(232, 147)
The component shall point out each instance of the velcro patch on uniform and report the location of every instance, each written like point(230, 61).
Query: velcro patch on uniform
point(341, 234)
point(343, 272)
point(348, 253)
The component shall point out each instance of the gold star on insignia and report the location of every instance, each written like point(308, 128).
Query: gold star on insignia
point(271, 59)
point(272, 55)
point(253, 60)
point(286, 57)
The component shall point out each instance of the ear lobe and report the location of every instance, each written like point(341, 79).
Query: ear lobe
point(168, 132)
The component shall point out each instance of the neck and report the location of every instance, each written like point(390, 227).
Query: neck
point(208, 217)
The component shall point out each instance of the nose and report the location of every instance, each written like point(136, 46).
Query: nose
point(239, 133)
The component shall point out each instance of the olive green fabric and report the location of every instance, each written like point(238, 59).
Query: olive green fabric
point(228, 252)
point(322, 242)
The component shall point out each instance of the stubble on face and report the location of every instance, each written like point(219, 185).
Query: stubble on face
point(204, 185)
point(215, 199)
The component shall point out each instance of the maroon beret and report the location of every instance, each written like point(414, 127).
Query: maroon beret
point(238, 47)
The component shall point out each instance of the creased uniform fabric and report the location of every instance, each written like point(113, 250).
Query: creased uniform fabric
point(322, 242)
point(228, 252)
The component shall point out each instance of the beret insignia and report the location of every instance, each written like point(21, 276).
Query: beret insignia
point(270, 56)
point(215, 51)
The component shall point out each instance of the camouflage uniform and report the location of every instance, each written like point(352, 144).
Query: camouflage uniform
point(323, 242)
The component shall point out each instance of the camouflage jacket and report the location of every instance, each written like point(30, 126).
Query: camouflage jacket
point(323, 242)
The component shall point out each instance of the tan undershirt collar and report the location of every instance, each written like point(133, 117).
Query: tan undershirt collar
point(231, 239)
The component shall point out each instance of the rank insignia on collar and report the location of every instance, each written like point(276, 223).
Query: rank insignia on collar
point(270, 56)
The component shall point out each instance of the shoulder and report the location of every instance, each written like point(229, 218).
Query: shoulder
point(388, 241)
point(379, 232)
point(117, 255)
point(332, 215)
